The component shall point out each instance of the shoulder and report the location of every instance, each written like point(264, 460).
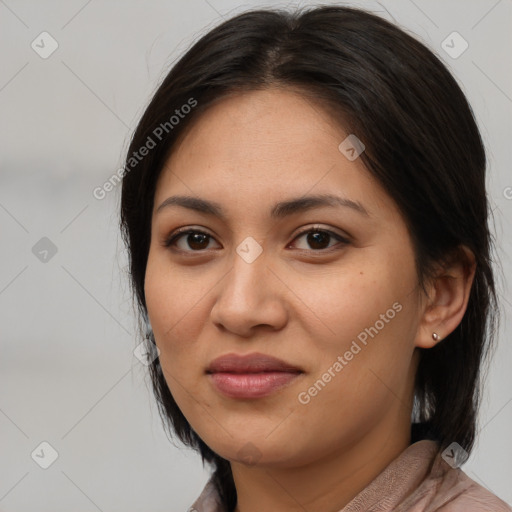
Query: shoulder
point(474, 498)
point(421, 480)
point(208, 500)
point(455, 491)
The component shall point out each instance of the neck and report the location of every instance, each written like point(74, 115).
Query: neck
point(330, 482)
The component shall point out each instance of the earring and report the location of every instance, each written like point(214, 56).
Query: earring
point(435, 336)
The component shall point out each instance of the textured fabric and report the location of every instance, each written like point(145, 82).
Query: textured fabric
point(418, 480)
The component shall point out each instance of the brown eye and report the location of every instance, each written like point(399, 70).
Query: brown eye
point(197, 241)
point(192, 240)
point(319, 239)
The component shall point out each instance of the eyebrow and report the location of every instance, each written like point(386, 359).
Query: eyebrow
point(278, 211)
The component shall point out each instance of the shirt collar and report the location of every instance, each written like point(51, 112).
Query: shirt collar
point(386, 491)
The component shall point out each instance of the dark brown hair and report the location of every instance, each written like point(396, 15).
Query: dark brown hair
point(422, 145)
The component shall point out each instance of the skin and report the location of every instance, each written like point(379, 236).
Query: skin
point(296, 301)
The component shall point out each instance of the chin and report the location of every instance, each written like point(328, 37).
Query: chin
point(258, 452)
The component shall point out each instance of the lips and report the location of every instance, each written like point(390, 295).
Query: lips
point(250, 363)
point(250, 376)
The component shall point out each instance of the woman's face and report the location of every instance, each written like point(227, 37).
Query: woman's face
point(344, 311)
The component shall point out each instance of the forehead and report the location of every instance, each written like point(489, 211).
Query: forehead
point(263, 146)
point(260, 125)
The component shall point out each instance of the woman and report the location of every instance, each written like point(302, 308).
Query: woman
point(305, 211)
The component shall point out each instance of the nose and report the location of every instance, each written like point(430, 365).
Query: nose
point(251, 295)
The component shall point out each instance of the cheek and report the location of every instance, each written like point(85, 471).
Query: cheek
point(362, 331)
point(342, 303)
point(169, 301)
point(172, 295)
point(169, 309)
point(176, 299)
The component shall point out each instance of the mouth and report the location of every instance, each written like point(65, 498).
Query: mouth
point(250, 376)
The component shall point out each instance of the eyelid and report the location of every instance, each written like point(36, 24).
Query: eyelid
point(169, 241)
point(319, 227)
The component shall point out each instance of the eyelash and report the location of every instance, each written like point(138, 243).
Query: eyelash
point(174, 237)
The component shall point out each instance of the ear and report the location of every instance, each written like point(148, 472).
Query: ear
point(447, 300)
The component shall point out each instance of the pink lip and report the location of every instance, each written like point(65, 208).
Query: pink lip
point(250, 376)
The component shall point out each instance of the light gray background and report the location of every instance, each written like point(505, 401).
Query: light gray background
point(68, 375)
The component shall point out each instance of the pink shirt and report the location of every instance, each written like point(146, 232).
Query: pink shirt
point(418, 480)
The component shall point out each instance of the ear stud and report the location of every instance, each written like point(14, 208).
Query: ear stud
point(436, 336)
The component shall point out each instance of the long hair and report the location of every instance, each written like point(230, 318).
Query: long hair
point(422, 144)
